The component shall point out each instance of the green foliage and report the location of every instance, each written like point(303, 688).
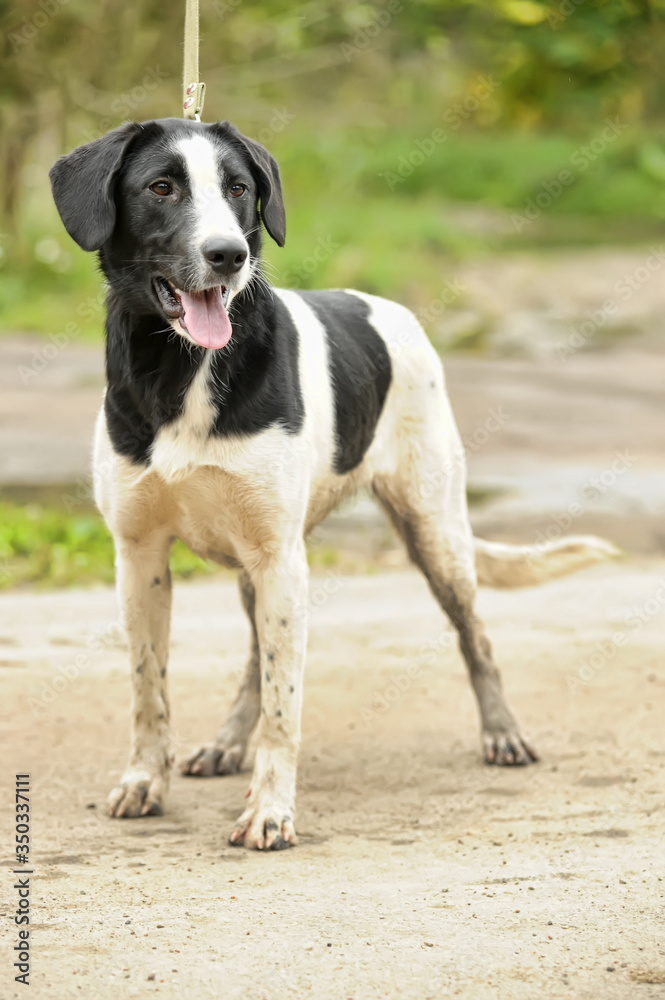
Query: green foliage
point(46, 546)
point(397, 235)
point(344, 95)
point(560, 63)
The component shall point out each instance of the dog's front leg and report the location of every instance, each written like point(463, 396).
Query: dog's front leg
point(281, 620)
point(144, 591)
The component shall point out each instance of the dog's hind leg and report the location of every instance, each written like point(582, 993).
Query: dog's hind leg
point(225, 753)
point(144, 590)
point(426, 502)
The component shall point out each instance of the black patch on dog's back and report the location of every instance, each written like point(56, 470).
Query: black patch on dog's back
point(360, 370)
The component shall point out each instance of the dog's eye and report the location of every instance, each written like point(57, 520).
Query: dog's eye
point(237, 190)
point(162, 188)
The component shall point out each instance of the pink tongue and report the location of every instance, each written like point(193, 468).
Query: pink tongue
point(206, 320)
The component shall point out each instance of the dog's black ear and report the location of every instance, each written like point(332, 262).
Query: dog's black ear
point(266, 174)
point(83, 182)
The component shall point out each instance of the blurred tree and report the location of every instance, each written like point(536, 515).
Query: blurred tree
point(71, 69)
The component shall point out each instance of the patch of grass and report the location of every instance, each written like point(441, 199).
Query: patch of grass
point(476, 496)
point(323, 557)
point(52, 536)
point(44, 546)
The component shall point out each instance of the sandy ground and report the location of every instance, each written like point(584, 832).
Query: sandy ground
point(420, 873)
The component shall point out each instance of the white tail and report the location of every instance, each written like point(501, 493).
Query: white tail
point(500, 565)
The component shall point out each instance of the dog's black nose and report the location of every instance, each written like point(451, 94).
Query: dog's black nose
point(224, 255)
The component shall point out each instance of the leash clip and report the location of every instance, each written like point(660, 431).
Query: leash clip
point(192, 104)
point(193, 90)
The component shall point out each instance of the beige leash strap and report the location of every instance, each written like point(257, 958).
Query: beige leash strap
point(193, 91)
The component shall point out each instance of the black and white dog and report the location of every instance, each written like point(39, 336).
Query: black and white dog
point(236, 417)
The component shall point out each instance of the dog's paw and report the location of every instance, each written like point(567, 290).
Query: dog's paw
point(214, 758)
point(507, 749)
point(138, 794)
point(264, 827)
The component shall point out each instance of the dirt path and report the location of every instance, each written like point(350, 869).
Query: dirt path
point(420, 873)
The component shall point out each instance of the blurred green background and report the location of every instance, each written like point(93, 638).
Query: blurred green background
point(344, 95)
point(411, 136)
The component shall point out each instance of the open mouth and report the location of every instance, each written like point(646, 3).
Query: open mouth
point(202, 314)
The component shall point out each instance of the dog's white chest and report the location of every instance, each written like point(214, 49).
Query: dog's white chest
point(263, 460)
point(185, 445)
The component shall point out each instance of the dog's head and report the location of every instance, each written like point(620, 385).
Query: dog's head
point(173, 208)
